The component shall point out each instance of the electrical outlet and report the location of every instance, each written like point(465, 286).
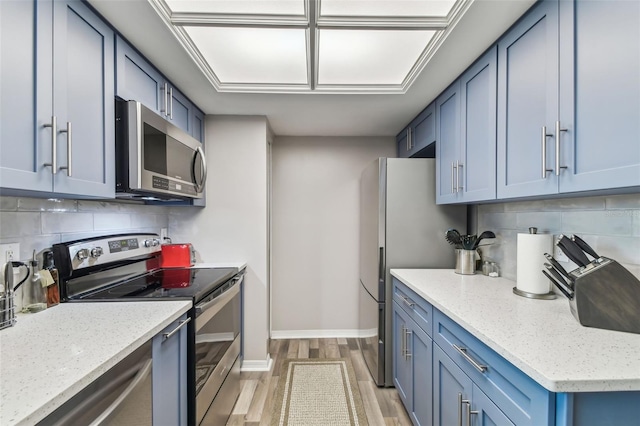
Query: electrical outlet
point(163, 235)
point(557, 251)
point(9, 252)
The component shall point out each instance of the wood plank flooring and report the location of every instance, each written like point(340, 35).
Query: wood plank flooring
point(253, 408)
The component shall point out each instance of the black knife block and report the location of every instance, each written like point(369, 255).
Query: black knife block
point(606, 295)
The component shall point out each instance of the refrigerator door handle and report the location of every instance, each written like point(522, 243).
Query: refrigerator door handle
point(381, 265)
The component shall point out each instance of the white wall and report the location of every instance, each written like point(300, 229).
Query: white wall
point(315, 226)
point(233, 225)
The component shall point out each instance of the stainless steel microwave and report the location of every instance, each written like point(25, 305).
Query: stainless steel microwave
point(154, 158)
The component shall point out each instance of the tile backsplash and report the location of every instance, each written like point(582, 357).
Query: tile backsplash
point(37, 223)
point(610, 224)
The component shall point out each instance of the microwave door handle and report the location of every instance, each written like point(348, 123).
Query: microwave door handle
point(203, 177)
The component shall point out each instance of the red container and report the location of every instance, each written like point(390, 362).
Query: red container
point(177, 256)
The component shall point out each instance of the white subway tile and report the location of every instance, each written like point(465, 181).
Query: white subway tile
point(19, 224)
point(629, 201)
point(610, 222)
point(47, 205)
point(584, 203)
point(56, 223)
point(546, 222)
point(621, 249)
point(8, 203)
point(524, 206)
point(111, 221)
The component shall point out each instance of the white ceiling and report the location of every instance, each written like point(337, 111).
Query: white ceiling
point(315, 113)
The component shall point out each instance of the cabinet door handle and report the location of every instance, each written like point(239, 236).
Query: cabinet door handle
point(54, 155)
point(458, 186)
point(460, 409)
point(559, 130)
point(407, 333)
point(545, 135)
point(410, 303)
point(166, 336)
point(469, 411)
point(403, 342)
point(453, 178)
point(170, 103)
point(164, 109)
point(463, 351)
point(410, 138)
point(69, 144)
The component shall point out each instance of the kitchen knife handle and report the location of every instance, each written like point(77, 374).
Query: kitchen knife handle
point(557, 276)
point(585, 247)
point(558, 267)
point(557, 284)
point(572, 251)
point(558, 131)
point(545, 135)
point(54, 148)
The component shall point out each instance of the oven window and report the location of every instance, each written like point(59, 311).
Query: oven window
point(166, 156)
point(214, 338)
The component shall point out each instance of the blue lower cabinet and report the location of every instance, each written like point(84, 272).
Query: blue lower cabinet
point(412, 352)
point(452, 390)
point(481, 411)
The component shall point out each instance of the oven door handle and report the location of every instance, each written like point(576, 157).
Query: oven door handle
point(228, 294)
point(140, 377)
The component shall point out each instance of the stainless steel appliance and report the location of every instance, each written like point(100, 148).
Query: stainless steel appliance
point(154, 158)
point(126, 267)
point(400, 227)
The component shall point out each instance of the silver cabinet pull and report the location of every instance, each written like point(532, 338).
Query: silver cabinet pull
point(164, 110)
point(170, 103)
point(470, 412)
point(54, 155)
point(544, 152)
point(166, 336)
point(559, 130)
point(463, 351)
point(403, 343)
point(69, 137)
point(453, 179)
point(408, 142)
point(410, 303)
point(410, 138)
point(458, 186)
point(460, 409)
point(407, 333)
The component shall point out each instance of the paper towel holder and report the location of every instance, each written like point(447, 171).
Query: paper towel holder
point(544, 296)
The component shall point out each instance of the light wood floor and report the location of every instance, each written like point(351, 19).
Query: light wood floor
point(253, 408)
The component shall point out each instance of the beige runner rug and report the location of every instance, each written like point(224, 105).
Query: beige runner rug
point(318, 392)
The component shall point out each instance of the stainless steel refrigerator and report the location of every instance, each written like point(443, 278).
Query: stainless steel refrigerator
point(400, 227)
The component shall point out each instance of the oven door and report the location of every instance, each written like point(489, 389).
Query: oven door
point(217, 349)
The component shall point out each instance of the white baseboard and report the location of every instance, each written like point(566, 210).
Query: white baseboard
point(257, 364)
point(318, 334)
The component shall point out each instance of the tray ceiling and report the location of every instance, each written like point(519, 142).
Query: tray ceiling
point(307, 46)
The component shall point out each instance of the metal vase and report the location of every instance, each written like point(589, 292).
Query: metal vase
point(465, 262)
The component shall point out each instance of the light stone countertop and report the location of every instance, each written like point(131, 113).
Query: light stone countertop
point(540, 337)
point(48, 357)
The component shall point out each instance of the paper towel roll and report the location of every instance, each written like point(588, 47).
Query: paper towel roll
point(531, 250)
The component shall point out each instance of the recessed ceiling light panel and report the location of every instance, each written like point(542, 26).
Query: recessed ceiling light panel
point(368, 57)
point(244, 55)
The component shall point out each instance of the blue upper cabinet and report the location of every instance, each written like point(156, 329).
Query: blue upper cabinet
point(417, 139)
point(599, 95)
point(569, 99)
point(57, 72)
point(137, 79)
point(477, 169)
point(528, 104)
point(448, 145)
point(466, 135)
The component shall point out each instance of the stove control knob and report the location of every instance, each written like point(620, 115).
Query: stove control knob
point(155, 242)
point(82, 254)
point(148, 243)
point(96, 252)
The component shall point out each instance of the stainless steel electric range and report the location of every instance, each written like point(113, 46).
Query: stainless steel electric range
point(126, 267)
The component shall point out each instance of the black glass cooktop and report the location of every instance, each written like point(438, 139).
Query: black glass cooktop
point(180, 283)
